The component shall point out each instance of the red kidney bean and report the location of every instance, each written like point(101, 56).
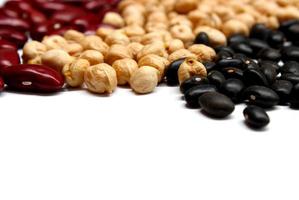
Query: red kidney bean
point(14, 23)
point(68, 15)
point(39, 31)
point(95, 5)
point(8, 57)
point(83, 22)
point(8, 12)
point(4, 44)
point(36, 17)
point(32, 78)
point(20, 6)
point(1, 84)
point(13, 36)
point(52, 7)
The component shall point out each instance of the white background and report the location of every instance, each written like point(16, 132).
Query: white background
point(76, 145)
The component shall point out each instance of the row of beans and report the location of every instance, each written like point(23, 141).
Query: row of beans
point(261, 70)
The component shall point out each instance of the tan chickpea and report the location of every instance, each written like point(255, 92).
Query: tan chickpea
point(191, 67)
point(134, 30)
point(157, 48)
point(155, 61)
point(36, 61)
point(124, 69)
point(92, 56)
point(56, 58)
point(73, 35)
point(185, 6)
point(158, 16)
point(100, 78)
point(174, 45)
point(32, 50)
point(151, 37)
point(117, 52)
point(144, 80)
point(181, 53)
point(117, 37)
point(234, 26)
point(155, 26)
point(104, 31)
point(74, 49)
point(183, 33)
point(217, 38)
point(287, 13)
point(135, 47)
point(93, 42)
point(181, 20)
point(114, 19)
point(203, 52)
point(54, 42)
point(74, 72)
point(246, 18)
point(272, 22)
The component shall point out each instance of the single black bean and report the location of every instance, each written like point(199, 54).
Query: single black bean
point(290, 53)
point(259, 31)
point(261, 96)
point(202, 38)
point(269, 54)
point(254, 77)
point(192, 95)
point(232, 72)
point(224, 48)
point(292, 32)
point(216, 104)
point(294, 97)
point(230, 62)
point(233, 89)
point(258, 45)
point(172, 72)
point(269, 63)
point(284, 26)
point(283, 88)
point(270, 74)
point(223, 55)
point(290, 67)
point(191, 82)
point(276, 39)
point(237, 38)
point(209, 65)
point(293, 78)
point(241, 56)
point(256, 117)
point(216, 78)
point(250, 64)
point(242, 48)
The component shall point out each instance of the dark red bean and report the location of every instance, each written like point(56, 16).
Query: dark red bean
point(84, 22)
point(68, 15)
point(1, 84)
point(39, 31)
point(20, 6)
point(32, 78)
point(36, 17)
point(14, 23)
point(8, 12)
point(4, 44)
point(13, 36)
point(95, 5)
point(50, 7)
point(8, 57)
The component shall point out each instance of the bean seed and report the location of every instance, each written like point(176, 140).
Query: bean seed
point(233, 89)
point(290, 67)
point(276, 39)
point(293, 78)
point(8, 57)
point(192, 82)
point(216, 104)
point(283, 88)
point(284, 26)
point(259, 31)
point(269, 54)
point(270, 74)
point(257, 44)
point(14, 23)
point(13, 36)
point(192, 95)
point(209, 65)
point(242, 48)
point(1, 84)
point(172, 72)
point(4, 44)
point(238, 38)
point(254, 77)
point(268, 63)
point(202, 38)
point(294, 97)
point(232, 72)
point(216, 78)
point(256, 117)
point(290, 53)
point(230, 62)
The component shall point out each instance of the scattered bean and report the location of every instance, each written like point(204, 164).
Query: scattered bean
point(256, 117)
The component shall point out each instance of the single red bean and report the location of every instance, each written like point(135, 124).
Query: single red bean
point(19, 6)
point(95, 5)
point(14, 23)
point(38, 32)
point(32, 78)
point(13, 36)
point(68, 15)
point(51, 7)
point(4, 44)
point(8, 12)
point(83, 22)
point(36, 17)
point(1, 84)
point(8, 57)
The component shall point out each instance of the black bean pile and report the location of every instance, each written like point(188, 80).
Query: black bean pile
point(261, 70)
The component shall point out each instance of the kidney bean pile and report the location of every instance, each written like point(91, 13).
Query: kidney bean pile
point(220, 55)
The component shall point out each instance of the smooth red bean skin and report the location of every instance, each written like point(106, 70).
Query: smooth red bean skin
point(8, 13)
point(4, 44)
point(32, 78)
point(84, 22)
point(8, 57)
point(14, 23)
point(1, 84)
point(36, 17)
point(13, 36)
point(68, 15)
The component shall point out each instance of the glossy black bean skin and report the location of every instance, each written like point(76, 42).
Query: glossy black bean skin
point(233, 89)
point(237, 38)
point(223, 55)
point(294, 97)
point(216, 78)
point(284, 26)
point(192, 95)
point(209, 65)
point(293, 78)
point(202, 38)
point(242, 48)
point(270, 74)
point(258, 45)
point(232, 72)
point(259, 31)
point(192, 82)
point(256, 117)
point(269, 54)
point(268, 63)
point(283, 88)
point(254, 77)
point(290, 53)
point(293, 32)
point(216, 104)
point(290, 67)
point(225, 48)
point(250, 64)
point(172, 72)
point(276, 39)
point(261, 96)
point(230, 62)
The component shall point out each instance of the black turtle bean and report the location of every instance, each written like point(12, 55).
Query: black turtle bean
point(242, 48)
point(270, 74)
point(223, 55)
point(256, 117)
point(233, 89)
point(192, 95)
point(209, 65)
point(269, 54)
point(192, 82)
point(292, 32)
point(232, 72)
point(216, 104)
point(276, 39)
point(290, 67)
point(216, 78)
point(294, 97)
point(293, 78)
point(224, 48)
point(172, 72)
point(237, 38)
point(283, 88)
point(290, 53)
point(254, 77)
point(284, 26)
point(259, 31)
point(250, 64)
point(202, 38)
point(268, 63)
point(258, 45)
point(230, 62)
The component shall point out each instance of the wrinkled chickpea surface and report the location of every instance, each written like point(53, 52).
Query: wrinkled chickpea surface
point(152, 34)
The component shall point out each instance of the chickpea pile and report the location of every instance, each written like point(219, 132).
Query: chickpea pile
point(147, 36)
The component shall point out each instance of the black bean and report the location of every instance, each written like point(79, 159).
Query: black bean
point(237, 38)
point(284, 26)
point(254, 77)
point(202, 38)
point(216, 104)
point(258, 45)
point(290, 53)
point(242, 48)
point(293, 32)
point(270, 74)
point(269, 54)
point(233, 89)
point(191, 82)
point(209, 65)
point(230, 62)
point(216, 78)
point(261, 96)
point(268, 63)
point(259, 31)
point(293, 78)
point(225, 48)
point(192, 95)
point(223, 55)
point(283, 88)
point(232, 72)
point(290, 67)
point(250, 64)
point(276, 39)
point(294, 97)
point(241, 56)
point(172, 72)
point(256, 117)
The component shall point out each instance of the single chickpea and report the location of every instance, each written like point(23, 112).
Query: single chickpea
point(36, 61)
point(100, 78)
point(73, 35)
point(124, 69)
point(74, 72)
point(135, 47)
point(287, 13)
point(157, 48)
point(114, 19)
point(33, 49)
point(203, 52)
point(182, 32)
point(74, 49)
point(155, 61)
point(144, 80)
point(272, 22)
point(92, 56)
point(151, 37)
point(117, 52)
point(246, 18)
point(134, 30)
point(54, 42)
point(93, 42)
point(158, 16)
point(56, 58)
point(174, 45)
point(181, 53)
point(117, 37)
point(181, 20)
point(104, 31)
point(234, 26)
point(217, 38)
point(185, 6)
point(137, 19)
point(191, 67)
point(155, 26)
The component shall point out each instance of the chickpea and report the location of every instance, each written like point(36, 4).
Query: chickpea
point(181, 53)
point(182, 32)
point(181, 20)
point(92, 56)
point(134, 30)
point(33, 49)
point(54, 42)
point(157, 48)
point(185, 6)
point(203, 52)
point(36, 61)
point(174, 45)
point(158, 16)
point(135, 47)
point(246, 18)
point(114, 19)
point(234, 26)
point(191, 67)
point(73, 35)
point(117, 52)
point(56, 58)
point(287, 13)
point(144, 80)
point(124, 69)
point(100, 78)
point(117, 37)
point(155, 26)
point(217, 38)
point(74, 72)
point(151, 37)
point(104, 31)
point(93, 42)
point(74, 49)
